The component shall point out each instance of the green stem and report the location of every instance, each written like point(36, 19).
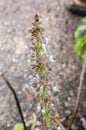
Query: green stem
point(41, 71)
point(41, 67)
point(44, 92)
point(47, 117)
point(39, 56)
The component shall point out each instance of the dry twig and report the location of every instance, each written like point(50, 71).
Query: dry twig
point(78, 97)
point(34, 122)
point(58, 122)
point(16, 99)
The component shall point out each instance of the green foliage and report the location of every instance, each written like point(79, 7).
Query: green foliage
point(79, 30)
point(84, 20)
point(80, 37)
point(19, 126)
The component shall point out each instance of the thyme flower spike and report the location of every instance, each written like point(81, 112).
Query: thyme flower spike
point(40, 65)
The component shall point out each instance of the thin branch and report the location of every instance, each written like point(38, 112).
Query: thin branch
point(16, 99)
point(78, 97)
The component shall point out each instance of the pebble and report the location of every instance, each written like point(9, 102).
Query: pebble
point(71, 93)
point(9, 31)
point(69, 99)
point(56, 88)
point(59, 128)
point(66, 104)
point(19, 92)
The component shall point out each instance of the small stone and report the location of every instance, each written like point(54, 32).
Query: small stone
point(29, 61)
point(71, 93)
point(8, 124)
point(23, 89)
point(51, 59)
point(9, 31)
point(59, 128)
point(69, 99)
point(37, 129)
point(25, 115)
point(19, 92)
point(55, 89)
point(66, 104)
point(52, 105)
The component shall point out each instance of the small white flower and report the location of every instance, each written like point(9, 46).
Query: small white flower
point(46, 39)
point(31, 79)
point(43, 111)
point(41, 90)
point(37, 78)
point(26, 49)
point(38, 123)
point(33, 90)
point(38, 108)
point(44, 49)
point(51, 59)
point(34, 79)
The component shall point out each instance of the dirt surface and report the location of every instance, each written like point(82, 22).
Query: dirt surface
point(16, 17)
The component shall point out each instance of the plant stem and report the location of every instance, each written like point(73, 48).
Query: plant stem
point(47, 116)
point(78, 97)
point(16, 99)
point(41, 67)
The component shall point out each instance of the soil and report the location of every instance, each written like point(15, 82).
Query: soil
point(59, 26)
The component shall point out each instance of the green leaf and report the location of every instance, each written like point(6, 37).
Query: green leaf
point(78, 31)
point(84, 20)
point(80, 46)
point(19, 126)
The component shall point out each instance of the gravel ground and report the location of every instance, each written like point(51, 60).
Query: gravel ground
point(59, 26)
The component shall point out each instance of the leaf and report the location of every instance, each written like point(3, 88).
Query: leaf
point(80, 46)
point(19, 126)
point(78, 31)
point(84, 20)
